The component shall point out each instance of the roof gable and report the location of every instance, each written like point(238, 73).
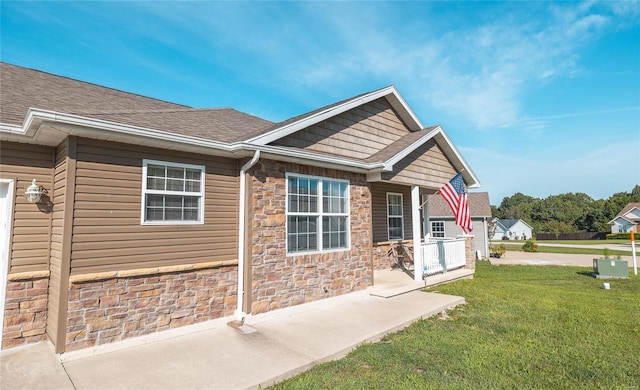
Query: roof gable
point(620, 220)
point(629, 208)
point(300, 122)
point(509, 223)
point(628, 212)
point(359, 133)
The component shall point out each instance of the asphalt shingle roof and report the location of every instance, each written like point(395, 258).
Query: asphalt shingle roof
point(479, 205)
point(23, 88)
point(627, 208)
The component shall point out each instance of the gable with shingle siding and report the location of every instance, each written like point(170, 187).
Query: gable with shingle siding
point(358, 133)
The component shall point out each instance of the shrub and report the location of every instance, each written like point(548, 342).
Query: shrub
point(530, 246)
point(499, 250)
point(619, 236)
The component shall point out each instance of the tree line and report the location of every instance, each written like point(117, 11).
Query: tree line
point(565, 213)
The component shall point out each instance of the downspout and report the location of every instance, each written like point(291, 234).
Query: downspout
point(241, 234)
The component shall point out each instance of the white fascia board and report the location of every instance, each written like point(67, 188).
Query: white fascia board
point(85, 125)
point(435, 133)
point(404, 110)
point(619, 217)
point(405, 152)
point(306, 158)
point(467, 170)
point(529, 226)
point(12, 129)
point(397, 102)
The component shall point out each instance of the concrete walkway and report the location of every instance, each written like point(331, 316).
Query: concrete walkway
point(285, 343)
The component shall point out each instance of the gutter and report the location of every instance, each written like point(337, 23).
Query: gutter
point(240, 310)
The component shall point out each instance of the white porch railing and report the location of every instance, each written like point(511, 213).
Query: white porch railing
point(443, 255)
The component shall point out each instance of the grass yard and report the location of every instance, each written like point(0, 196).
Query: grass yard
point(524, 327)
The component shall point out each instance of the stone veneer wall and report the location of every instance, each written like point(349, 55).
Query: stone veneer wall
point(381, 258)
point(115, 308)
point(280, 281)
point(25, 311)
point(470, 252)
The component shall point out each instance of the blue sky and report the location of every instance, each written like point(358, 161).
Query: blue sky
point(541, 98)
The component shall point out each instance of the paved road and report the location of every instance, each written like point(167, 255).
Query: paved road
point(622, 247)
point(612, 246)
point(529, 258)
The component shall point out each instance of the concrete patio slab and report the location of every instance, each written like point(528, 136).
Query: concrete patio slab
point(287, 342)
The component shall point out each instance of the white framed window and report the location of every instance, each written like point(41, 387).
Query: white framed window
point(437, 229)
point(317, 214)
point(395, 217)
point(172, 193)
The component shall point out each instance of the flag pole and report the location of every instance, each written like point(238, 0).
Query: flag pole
point(429, 198)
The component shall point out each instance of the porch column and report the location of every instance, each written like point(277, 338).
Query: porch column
point(417, 237)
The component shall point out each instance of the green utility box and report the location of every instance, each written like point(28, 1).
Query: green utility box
point(610, 269)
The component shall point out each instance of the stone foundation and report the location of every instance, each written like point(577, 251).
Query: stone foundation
point(25, 311)
point(104, 311)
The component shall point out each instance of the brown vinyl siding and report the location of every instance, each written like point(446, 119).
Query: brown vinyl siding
point(31, 222)
point(107, 231)
point(379, 213)
point(357, 133)
point(61, 242)
point(427, 167)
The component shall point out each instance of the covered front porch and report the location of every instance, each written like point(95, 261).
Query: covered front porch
point(418, 260)
point(439, 261)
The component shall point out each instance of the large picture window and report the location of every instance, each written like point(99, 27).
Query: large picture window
point(395, 221)
point(172, 193)
point(317, 214)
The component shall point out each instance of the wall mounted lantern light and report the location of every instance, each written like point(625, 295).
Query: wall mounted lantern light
point(33, 192)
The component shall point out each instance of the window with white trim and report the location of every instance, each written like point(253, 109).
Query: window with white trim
point(317, 214)
point(172, 193)
point(395, 219)
point(437, 229)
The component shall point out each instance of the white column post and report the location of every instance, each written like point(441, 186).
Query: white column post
point(417, 237)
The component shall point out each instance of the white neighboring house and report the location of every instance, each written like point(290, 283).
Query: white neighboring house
point(440, 222)
point(627, 220)
point(514, 229)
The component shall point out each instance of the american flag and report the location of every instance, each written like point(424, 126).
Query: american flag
point(453, 193)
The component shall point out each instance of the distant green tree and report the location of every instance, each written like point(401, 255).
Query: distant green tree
point(565, 213)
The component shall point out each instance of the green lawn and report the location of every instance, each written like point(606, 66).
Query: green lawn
point(524, 327)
